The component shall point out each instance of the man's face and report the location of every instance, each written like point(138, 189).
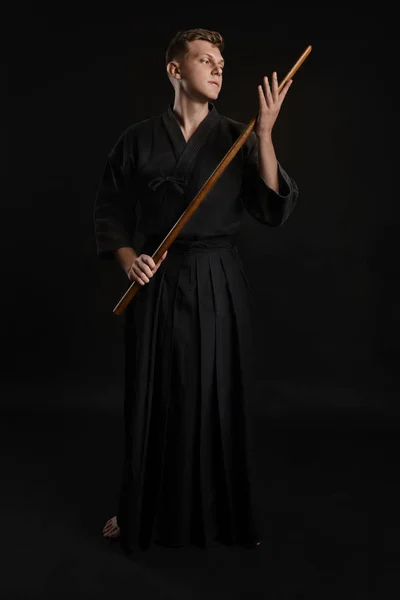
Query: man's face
point(201, 71)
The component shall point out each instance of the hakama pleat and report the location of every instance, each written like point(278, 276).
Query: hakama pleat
point(188, 473)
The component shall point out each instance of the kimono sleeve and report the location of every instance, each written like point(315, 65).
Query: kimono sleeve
point(263, 203)
point(115, 206)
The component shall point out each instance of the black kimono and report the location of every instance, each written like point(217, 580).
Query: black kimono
point(187, 477)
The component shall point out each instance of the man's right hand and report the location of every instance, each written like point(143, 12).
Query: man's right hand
point(143, 268)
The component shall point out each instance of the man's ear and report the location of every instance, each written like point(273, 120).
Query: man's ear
point(173, 69)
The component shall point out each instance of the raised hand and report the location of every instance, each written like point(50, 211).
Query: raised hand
point(270, 102)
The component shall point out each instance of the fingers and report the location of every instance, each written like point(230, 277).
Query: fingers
point(144, 267)
point(141, 272)
point(285, 89)
point(268, 93)
point(137, 274)
point(275, 87)
point(265, 95)
point(147, 264)
point(261, 98)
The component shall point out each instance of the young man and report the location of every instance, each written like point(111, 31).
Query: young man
point(187, 476)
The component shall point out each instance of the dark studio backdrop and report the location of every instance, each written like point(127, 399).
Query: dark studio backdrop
point(325, 291)
point(324, 284)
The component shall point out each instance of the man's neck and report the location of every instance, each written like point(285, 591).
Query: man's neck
point(189, 114)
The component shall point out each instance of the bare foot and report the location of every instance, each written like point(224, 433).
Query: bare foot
point(111, 531)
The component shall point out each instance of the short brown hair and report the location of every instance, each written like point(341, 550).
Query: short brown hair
point(178, 45)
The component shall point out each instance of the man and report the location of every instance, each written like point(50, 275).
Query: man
point(188, 474)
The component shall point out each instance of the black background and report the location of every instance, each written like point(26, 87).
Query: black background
point(325, 284)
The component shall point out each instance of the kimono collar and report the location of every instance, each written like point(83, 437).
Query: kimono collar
point(198, 137)
point(185, 152)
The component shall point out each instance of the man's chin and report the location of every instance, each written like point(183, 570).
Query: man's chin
point(211, 97)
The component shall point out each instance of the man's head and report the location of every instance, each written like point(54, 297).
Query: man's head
point(194, 63)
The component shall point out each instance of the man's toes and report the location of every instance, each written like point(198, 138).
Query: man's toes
point(111, 528)
point(112, 534)
point(110, 524)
